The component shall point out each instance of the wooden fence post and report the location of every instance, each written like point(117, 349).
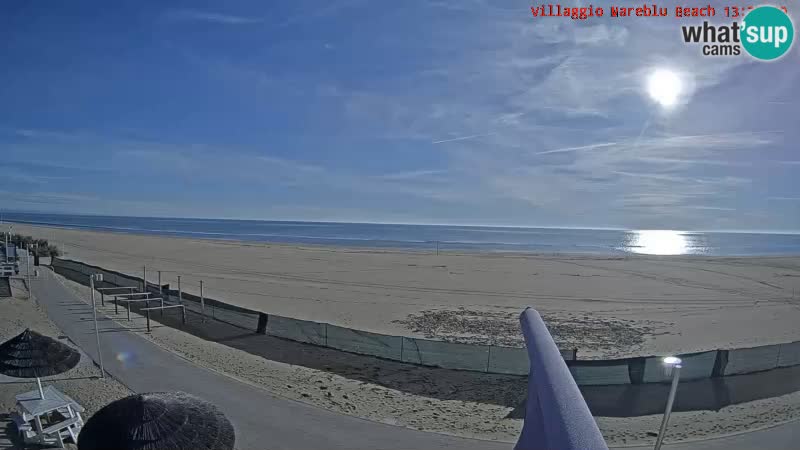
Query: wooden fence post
point(262, 323)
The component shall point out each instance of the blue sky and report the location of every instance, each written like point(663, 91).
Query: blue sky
point(421, 111)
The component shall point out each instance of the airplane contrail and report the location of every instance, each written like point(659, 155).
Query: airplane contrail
point(463, 138)
point(575, 149)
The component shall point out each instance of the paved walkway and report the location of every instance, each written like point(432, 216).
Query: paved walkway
point(264, 421)
point(781, 437)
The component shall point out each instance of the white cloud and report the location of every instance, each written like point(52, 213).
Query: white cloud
point(411, 175)
point(89, 204)
point(193, 15)
point(17, 176)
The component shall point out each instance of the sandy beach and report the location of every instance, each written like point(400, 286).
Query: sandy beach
point(604, 306)
point(469, 404)
point(463, 403)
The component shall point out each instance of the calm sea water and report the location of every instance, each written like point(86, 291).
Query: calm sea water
point(473, 238)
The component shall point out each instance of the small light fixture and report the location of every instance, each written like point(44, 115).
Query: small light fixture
point(672, 361)
point(672, 367)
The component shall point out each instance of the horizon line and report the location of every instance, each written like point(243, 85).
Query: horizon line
point(561, 227)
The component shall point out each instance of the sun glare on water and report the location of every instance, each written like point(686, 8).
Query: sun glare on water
point(659, 242)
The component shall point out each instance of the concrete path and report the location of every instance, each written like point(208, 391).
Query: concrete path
point(781, 437)
point(262, 420)
point(265, 421)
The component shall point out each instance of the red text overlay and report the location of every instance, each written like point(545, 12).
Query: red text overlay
point(646, 10)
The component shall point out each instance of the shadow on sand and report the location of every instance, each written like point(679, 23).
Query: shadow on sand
point(503, 390)
point(444, 384)
point(708, 394)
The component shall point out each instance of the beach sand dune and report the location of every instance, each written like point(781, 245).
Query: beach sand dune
point(605, 306)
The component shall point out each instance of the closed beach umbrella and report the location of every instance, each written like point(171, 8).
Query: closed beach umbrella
point(158, 421)
point(31, 355)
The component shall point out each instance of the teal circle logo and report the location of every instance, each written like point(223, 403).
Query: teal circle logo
point(767, 33)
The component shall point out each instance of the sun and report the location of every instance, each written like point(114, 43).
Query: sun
point(665, 87)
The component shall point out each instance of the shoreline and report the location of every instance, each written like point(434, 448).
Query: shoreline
point(607, 306)
point(621, 254)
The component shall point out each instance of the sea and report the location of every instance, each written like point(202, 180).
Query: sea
point(437, 237)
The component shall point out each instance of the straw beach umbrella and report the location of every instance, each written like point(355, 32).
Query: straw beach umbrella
point(31, 355)
point(158, 421)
